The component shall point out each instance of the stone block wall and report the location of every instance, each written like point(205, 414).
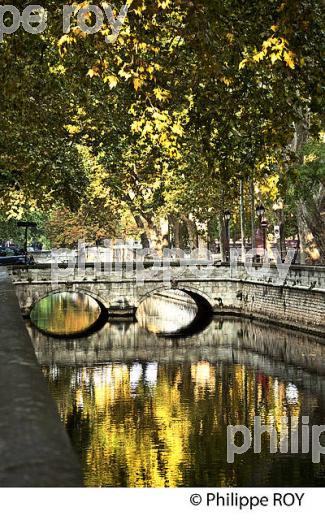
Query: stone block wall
point(297, 301)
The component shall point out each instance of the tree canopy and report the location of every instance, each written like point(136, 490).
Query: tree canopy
point(191, 99)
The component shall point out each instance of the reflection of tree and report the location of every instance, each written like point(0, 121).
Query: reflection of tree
point(171, 432)
point(65, 313)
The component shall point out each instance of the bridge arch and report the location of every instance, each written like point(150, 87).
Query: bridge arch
point(76, 290)
point(91, 329)
point(204, 309)
point(200, 297)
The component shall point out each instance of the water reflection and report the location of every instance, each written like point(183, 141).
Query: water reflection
point(170, 429)
point(149, 411)
point(65, 313)
point(167, 312)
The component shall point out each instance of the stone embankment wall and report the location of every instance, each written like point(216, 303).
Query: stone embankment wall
point(35, 450)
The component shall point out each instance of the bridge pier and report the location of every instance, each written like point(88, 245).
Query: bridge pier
point(121, 312)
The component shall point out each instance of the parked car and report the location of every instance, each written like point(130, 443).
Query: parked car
point(13, 256)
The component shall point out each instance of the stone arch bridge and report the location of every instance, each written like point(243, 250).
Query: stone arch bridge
point(298, 300)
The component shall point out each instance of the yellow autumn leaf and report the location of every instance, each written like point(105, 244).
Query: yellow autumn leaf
point(148, 128)
point(140, 9)
point(57, 69)
point(111, 80)
point(226, 81)
point(280, 44)
point(64, 39)
point(288, 57)
point(159, 125)
point(164, 3)
point(136, 126)
point(163, 139)
point(230, 37)
point(259, 56)
point(72, 129)
point(132, 109)
point(274, 57)
point(123, 74)
point(94, 71)
point(161, 116)
point(137, 82)
point(242, 63)
point(161, 94)
point(177, 129)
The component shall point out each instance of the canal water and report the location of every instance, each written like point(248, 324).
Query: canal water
point(147, 405)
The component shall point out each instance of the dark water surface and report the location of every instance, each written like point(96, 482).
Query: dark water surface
point(144, 410)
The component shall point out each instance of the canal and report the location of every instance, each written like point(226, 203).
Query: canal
point(147, 402)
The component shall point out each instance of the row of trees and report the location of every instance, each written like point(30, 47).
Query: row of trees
point(193, 101)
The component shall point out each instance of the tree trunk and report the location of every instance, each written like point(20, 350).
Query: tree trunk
point(242, 221)
point(177, 235)
point(192, 232)
point(222, 228)
point(312, 228)
point(282, 241)
point(222, 237)
point(151, 237)
point(310, 221)
point(176, 227)
point(143, 236)
point(252, 204)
